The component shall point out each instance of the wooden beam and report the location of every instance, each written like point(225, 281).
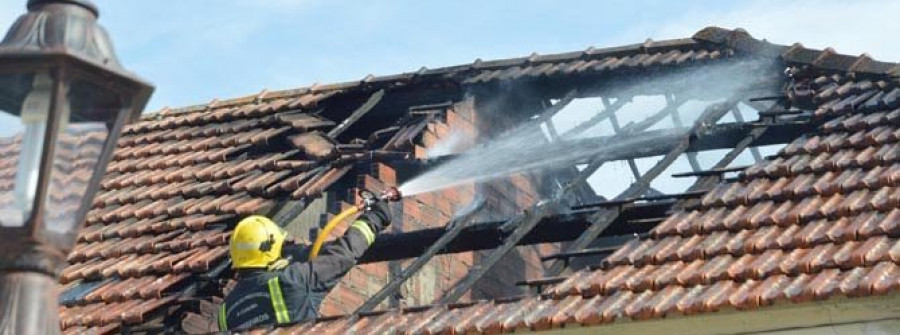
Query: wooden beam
point(453, 229)
point(561, 227)
point(596, 119)
point(373, 100)
point(606, 216)
point(522, 226)
point(676, 121)
point(739, 117)
point(617, 128)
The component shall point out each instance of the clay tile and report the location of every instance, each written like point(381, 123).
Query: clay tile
point(777, 190)
point(881, 135)
point(640, 308)
point(845, 159)
point(851, 180)
point(755, 191)
point(641, 279)
point(821, 163)
point(800, 186)
point(588, 313)
point(717, 295)
point(597, 281)
point(798, 290)
point(783, 215)
point(841, 230)
point(808, 209)
point(867, 224)
point(617, 279)
point(882, 200)
point(740, 269)
point(315, 145)
point(771, 290)
point(795, 147)
point(614, 307)
point(734, 220)
point(690, 301)
point(714, 244)
point(883, 278)
point(741, 298)
point(872, 251)
point(813, 145)
point(892, 152)
point(835, 141)
point(689, 225)
point(714, 195)
point(765, 239)
point(572, 284)
point(690, 249)
point(486, 321)
point(891, 223)
point(637, 255)
point(716, 269)
point(538, 318)
point(823, 285)
point(737, 243)
point(857, 201)
point(667, 227)
point(821, 256)
point(664, 251)
point(690, 274)
point(875, 178)
point(666, 274)
point(814, 233)
point(712, 220)
point(760, 213)
point(850, 282)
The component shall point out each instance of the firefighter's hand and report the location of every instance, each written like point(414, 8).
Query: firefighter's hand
point(378, 216)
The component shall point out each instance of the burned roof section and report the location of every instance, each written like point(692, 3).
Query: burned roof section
point(155, 241)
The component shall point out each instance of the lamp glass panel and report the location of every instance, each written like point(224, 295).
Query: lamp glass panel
point(25, 100)
point(87, 116)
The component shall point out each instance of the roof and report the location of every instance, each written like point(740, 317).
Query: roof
point(817, 221)
point(180, 178)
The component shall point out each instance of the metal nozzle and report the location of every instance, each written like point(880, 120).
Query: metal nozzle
point(391, 194)
point(369, 199)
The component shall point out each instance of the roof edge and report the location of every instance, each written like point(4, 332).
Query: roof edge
point(736, 39)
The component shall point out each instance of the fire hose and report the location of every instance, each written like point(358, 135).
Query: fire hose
point(369, 199)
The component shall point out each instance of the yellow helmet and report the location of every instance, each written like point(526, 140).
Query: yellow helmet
point(256, 243)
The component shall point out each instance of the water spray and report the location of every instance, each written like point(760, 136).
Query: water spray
point(369, 199)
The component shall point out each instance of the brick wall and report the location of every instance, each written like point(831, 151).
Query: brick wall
point(504, 197)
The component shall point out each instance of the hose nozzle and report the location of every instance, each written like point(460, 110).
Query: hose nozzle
point(391, 194)
point(369, 199)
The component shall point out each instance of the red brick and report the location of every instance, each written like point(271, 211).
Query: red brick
point(370, 183)
point(429, 139)
point(420, 152)
point(386, 173)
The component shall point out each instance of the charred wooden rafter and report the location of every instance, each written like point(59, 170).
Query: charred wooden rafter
point(489, 234)
point(606, 216)
point(370, 103)
point(454, 228)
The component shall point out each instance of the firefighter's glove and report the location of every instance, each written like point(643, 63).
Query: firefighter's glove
point(378, 216)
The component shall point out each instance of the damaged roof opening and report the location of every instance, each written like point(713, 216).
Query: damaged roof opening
point(787, 191)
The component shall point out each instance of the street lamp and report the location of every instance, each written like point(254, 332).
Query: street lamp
point(63, 101)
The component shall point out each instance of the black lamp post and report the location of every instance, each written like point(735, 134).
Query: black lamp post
point(63, 101)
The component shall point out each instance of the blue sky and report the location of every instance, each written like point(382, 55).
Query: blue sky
point(198, 50)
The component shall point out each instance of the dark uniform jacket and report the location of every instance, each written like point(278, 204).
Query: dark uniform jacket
point(293, 293)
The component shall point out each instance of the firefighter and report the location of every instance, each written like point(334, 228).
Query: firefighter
point(275, 282)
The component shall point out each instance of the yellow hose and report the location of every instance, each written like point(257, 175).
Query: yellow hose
point(328, 228)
